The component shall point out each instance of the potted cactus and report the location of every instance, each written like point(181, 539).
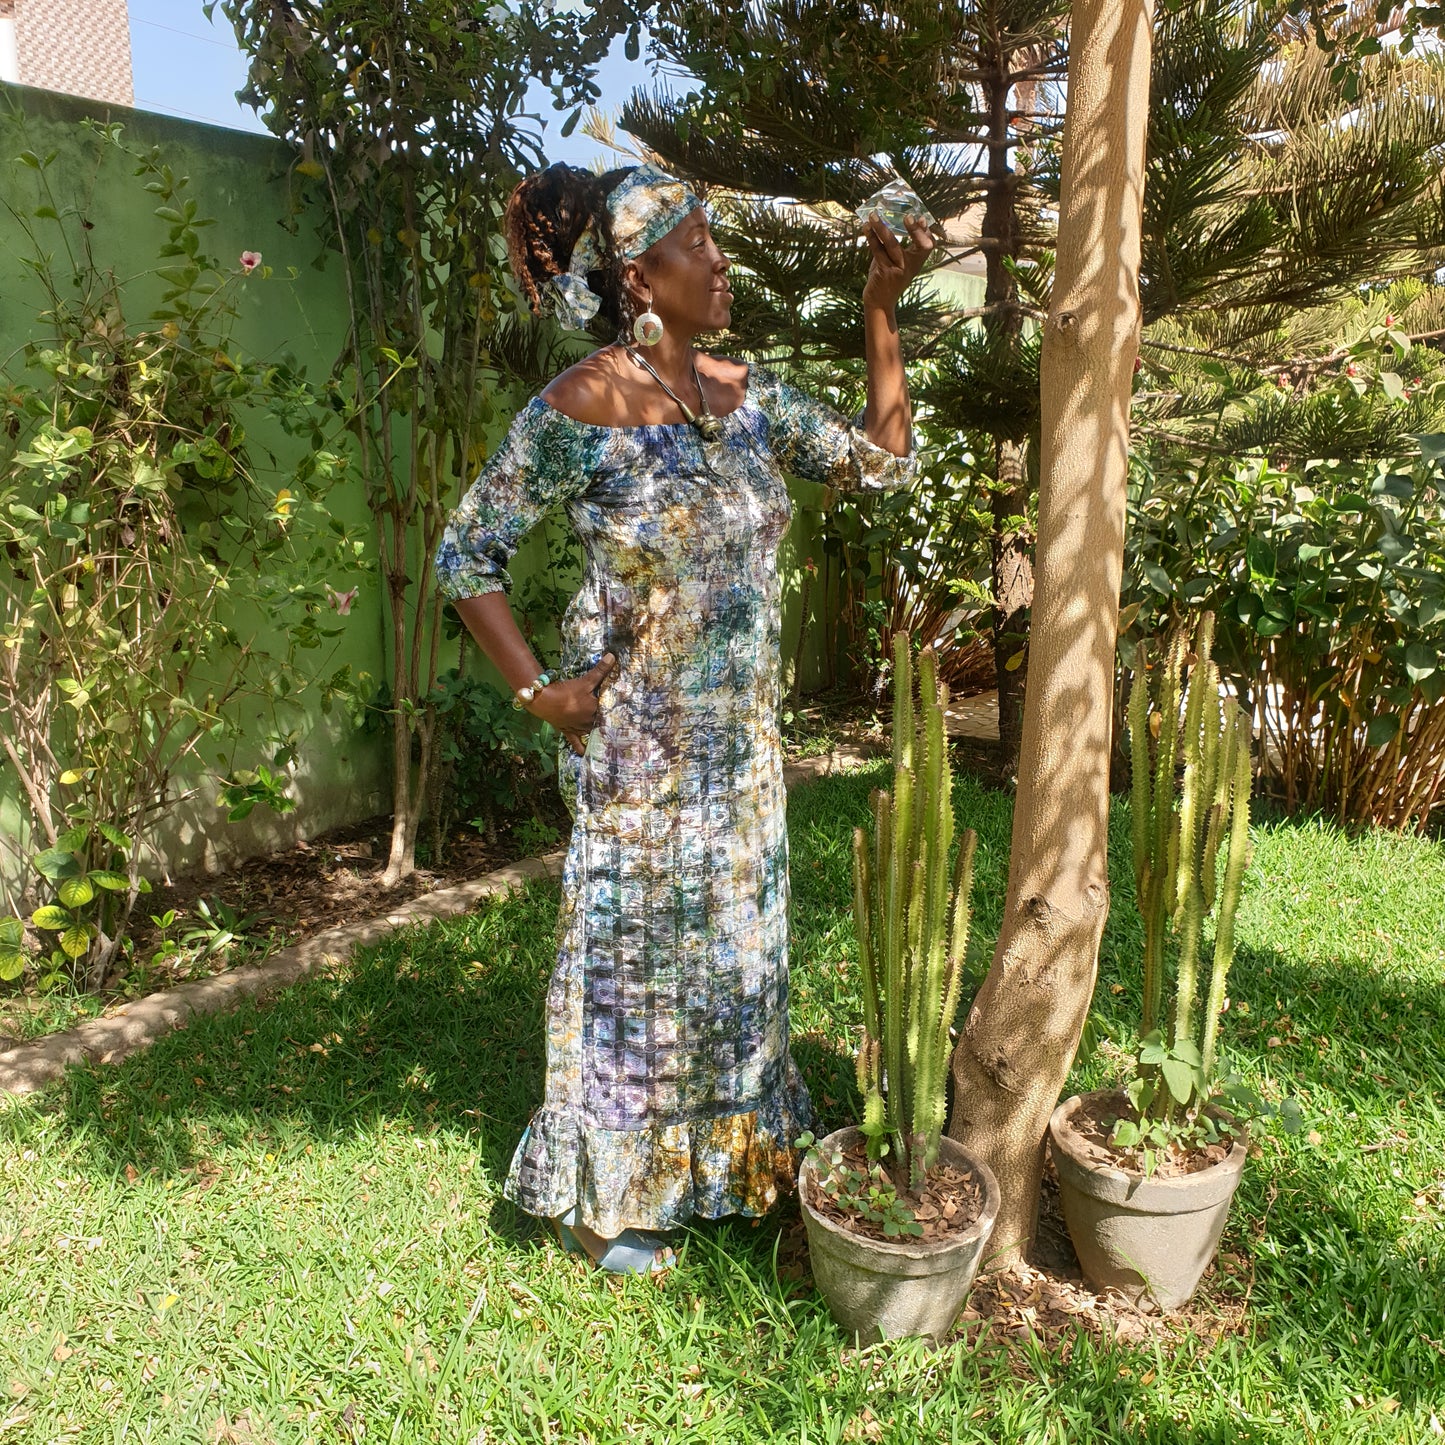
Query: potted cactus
point(1147, 1173)
point(897, 1215)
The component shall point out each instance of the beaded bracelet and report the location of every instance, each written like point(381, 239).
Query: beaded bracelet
point(525, 695)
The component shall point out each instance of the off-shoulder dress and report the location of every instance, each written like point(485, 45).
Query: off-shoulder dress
point(670, 1091)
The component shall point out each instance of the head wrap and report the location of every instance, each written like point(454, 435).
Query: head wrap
point(644, 206)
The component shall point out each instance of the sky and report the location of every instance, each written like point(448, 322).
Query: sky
point(185, 65)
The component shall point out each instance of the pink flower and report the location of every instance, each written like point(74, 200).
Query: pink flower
point(250, 260)
point(1352, 370)
point(341, 601)
point(1389, 321)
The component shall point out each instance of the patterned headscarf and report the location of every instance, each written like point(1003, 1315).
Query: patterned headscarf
point(644, 206)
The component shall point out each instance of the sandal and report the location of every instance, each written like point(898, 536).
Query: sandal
point(634, 1251)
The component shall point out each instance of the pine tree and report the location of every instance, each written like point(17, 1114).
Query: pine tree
point(1268, 189)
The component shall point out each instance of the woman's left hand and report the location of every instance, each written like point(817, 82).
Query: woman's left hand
point(895, 263)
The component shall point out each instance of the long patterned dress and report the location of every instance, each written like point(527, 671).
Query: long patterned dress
point(670, 1090)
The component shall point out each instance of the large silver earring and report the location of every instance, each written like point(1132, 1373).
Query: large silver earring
point(647, 329)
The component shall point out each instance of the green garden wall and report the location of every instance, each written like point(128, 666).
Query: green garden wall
point(236, 178)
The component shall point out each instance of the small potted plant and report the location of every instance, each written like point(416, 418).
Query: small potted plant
point(1147, 1172)
point(897, 1216)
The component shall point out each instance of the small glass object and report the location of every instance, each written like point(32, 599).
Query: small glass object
point(893, 204)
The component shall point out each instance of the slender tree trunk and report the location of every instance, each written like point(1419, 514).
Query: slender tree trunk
point(1023, 1028)
point(401, 861)
point(1013, 594)
point(1011, 573)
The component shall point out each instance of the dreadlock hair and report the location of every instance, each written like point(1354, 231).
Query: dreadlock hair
point(546, 215)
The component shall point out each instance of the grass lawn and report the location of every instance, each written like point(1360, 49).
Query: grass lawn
point(286, 1224)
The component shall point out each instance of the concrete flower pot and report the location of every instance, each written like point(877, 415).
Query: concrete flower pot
point(1140, 1236)
point(884, 1289)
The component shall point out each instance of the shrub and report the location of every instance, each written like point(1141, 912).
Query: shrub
point(140, 549)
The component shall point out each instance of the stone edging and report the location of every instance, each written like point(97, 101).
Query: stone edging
point(28, 1067)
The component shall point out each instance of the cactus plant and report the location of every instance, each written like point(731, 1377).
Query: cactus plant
point(912, 917)
point(1183, 827)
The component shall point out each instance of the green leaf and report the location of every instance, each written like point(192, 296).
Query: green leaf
point(1420, 661)
point(12, 964)
point(76, 892)
point(74, 839)
point(55, 863)
point(103, 878)
point(75, 941)
point(1179, 1076)
point(51, 918)
point(1126, 1134)
point(1157, 577)
point(12, 932)
point(1382, 730)
point(113, 835)
point(1289, 1118)
point(1394, 386)
point(1393, 484)
point(1152, 1052)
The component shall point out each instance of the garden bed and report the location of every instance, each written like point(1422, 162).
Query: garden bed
point(326, 882)
point(331, 880)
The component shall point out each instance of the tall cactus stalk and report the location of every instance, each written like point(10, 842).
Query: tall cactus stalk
point(912, 916)
point(1182, 825)
point(1238, 777)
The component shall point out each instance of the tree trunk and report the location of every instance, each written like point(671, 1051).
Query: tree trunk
point(1024, 1026)
point(1010, 579)
point(401, 860)
point(1013, 594)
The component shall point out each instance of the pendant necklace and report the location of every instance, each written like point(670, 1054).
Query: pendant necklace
point(707, 426)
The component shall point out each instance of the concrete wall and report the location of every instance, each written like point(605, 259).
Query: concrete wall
point(237, 179)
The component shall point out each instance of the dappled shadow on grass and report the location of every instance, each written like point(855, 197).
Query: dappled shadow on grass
point(434, 1029)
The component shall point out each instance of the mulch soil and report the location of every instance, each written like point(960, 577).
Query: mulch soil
point(331, 880)
point(1094, 1121)
point(950, 1201)
point(1047, 1299)
point(334, 879)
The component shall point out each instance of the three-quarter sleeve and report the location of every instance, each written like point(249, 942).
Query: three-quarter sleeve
point(545, 461)
point(813, 441)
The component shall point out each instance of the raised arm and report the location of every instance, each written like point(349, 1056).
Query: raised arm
point(888, 419)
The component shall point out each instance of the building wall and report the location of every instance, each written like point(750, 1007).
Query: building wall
point(77, 47)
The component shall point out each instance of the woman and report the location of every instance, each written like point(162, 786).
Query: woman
point(670, 1091)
